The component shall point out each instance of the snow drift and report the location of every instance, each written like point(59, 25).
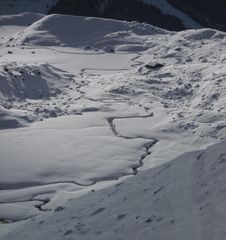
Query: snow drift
point(18, 81)
point(183, 199)
point(63, 30)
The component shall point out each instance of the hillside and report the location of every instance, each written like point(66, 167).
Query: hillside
point(110, 130)
point(130, 10)
point(168, 14)
point(122, 10)
point(182, 199)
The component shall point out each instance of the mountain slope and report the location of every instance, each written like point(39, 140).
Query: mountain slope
point(111, 100)
point(44, 32)
point(183, 199)
point(168, 14)
point(134, 10)
point(130, 10)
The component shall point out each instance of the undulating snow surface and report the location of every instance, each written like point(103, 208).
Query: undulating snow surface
point(182, 199)
point(42, 6)
point(107, 32)
point(83, 109)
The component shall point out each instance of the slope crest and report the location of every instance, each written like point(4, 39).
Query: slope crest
point(77, 31)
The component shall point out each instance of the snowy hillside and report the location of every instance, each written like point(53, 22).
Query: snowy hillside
point(107, 32)
point(165, 14)
point(183, 199)
point(85, 109)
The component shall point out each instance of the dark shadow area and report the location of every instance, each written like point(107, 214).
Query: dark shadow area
point(129, 10)
point(209, 13)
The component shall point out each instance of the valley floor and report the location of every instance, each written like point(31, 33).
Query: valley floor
point(84, 110)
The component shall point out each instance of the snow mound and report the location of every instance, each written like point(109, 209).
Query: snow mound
point(24, 85)
point(183, 199)
point(53, 30)
point(23, 19)
point(83, 151)
point(39, 81)
point(13, 118)
point(202, 34)
point(19, 211)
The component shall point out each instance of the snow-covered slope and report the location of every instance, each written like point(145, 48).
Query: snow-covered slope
point(183, 199)
point(107, 32)
point(101, 102)
point(11, 24)
point(31, 82)
point(42, 6)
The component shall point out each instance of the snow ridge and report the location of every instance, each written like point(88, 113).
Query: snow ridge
point(160, 202)
point(44, 32)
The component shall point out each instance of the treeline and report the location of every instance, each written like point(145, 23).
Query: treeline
point(130, 10)
point(209, 13)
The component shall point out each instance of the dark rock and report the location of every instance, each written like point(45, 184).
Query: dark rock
point(154, 65)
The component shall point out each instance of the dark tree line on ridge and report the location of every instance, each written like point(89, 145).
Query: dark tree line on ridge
point(209, 13)
point(130, 10)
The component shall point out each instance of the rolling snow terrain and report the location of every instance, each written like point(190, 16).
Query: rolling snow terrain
point(159, 12)
point(183, 199)
point(83, 109)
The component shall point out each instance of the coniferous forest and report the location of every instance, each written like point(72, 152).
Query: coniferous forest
point(210, 13)
point(130, 10)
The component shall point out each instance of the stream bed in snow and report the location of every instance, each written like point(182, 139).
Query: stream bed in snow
point(86, 108)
